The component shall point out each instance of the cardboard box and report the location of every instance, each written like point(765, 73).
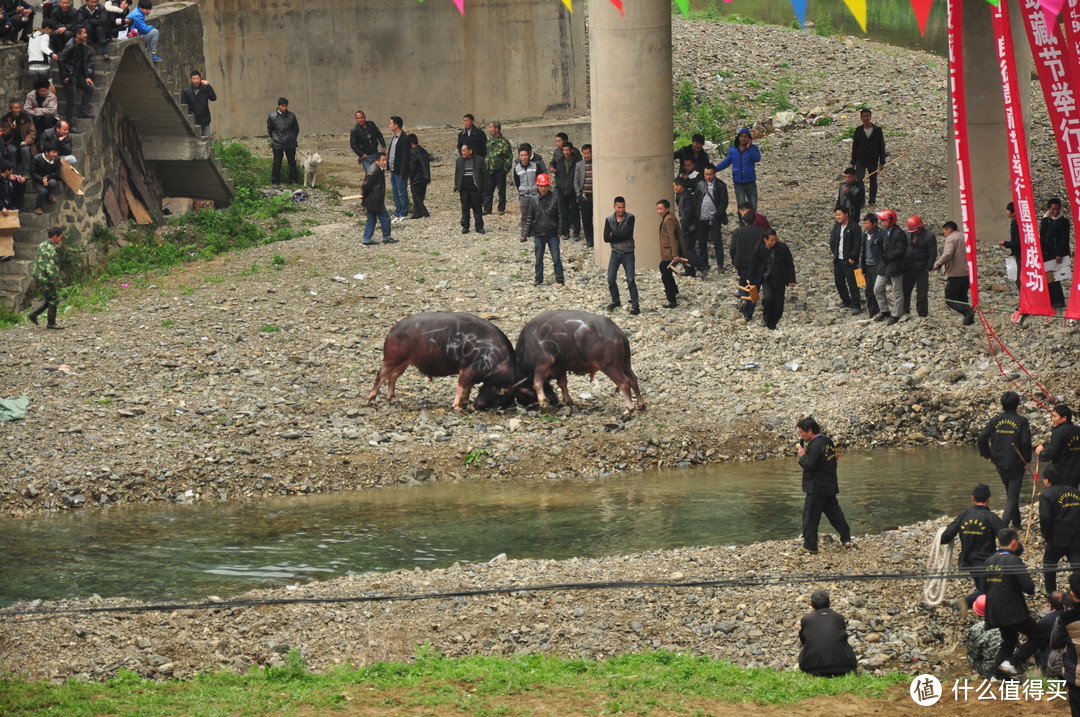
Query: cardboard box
point(9, 224)
point(71, 177)
point(7, 247)
point(175, 206)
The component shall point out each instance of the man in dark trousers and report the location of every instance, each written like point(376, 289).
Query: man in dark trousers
point(77, 73)
point(542, 222)
point(1066, 636)
point(1006, 442)
point(978, 528)
point(817, 456)
point(565, 168)
point(365, 140)
point(373, 192)
point(868, 151)
point(46, 273)
point(1064, 446)
point(920, 258)
point(1054, 238)
point(744, 242)
point(283, 130)
point(873, 260)
point(1007, 580)
point(845, 243)
point(712, 204)
point(470, 182)
point(1059, 521)
point(773, 269)
point(419, 176)
point(823, 633)
point(619, 233)
point(672, 249)
point(198, 96)
point(397, 157)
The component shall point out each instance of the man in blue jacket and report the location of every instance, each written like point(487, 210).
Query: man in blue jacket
point(148, 33)
point(742, 156)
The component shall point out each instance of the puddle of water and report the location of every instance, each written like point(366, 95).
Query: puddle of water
point(191, 551)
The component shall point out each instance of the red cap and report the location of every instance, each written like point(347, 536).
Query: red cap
point(542, 180)
point(914, 223)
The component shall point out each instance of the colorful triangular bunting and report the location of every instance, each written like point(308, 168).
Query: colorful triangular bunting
point(799, 6)
point(858, 9)
point(922, 13)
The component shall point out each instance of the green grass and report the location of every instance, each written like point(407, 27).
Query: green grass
point(269, 328)
point(523, 685)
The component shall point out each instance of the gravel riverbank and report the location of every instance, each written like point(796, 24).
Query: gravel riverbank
point(249, 375)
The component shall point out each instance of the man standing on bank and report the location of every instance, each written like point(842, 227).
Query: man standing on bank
point(46, 272)
point(198, 96)
point(817, 456)
point(1006, 442)
point(619, 233)
point(470, 182)
point(672, 249)
point(365, 140)
point(283, 130)
point(868, 152)
point(773, 269)
point(1064, 446)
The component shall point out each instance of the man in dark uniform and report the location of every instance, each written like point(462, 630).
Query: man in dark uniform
point(817, 456)
point(823, 633)
point(978, 527)
point(1007, 580)
point(1006, 442)
point(1059, 521)
point(1064, 446)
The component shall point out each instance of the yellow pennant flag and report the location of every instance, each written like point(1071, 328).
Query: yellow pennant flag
point(858, 9)
point(569, 4)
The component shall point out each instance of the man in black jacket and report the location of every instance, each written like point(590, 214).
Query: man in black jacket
point(365, 140)
point(891, 272)
point(695, 152)
point(686, 201)
point(542, 222)
point(198, 96)
point(744, 242)
point(1064, 446)
point(283, 130)
point(1059, 521)
point(373, 193)
point(1007, 580)
point(712, 204)
point(1006, 442)
point(851, 194)
point(1054, 238)
point(817, 456)
point(773, 269)
point(823, 633)
point(472, 136)
point(565, 167)
point(45, 176)
point(470, 182)
point(845, 243)
point(66, 19)
point(12, 188)
point(978, 528)
point(868, 151)
point(921, 255)
point(98, 25)
point(397, 153)
point(77, 71)
point(419, 176)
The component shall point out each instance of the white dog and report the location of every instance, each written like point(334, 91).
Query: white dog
point(310, 163)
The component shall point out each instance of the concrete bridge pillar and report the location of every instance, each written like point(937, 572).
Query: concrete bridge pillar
point(632, 123)
point(991, 188)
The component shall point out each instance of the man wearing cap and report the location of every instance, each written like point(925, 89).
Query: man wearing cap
point(953, 262)
point(1006, 442)
point(851, 194)
point(982, 642)
point(283, 130)
point(1064, 446)
point(743, 155)
point(1007, 580)
point(921, 254)
point(823, 633)
point(978, 527)
point(542, 222)
point(1059, 521)
point(893, 251)
point(46, 272)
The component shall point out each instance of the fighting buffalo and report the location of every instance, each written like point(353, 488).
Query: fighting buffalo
point(557, 342)
point(442, 344)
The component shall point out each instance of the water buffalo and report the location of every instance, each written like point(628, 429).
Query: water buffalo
point(557, 342)
point(442, 344)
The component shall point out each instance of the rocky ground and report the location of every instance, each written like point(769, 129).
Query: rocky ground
point(248, 375)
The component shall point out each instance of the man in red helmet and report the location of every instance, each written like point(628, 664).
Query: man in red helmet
point(543, 220)
point(891, 270)
point(921, 255)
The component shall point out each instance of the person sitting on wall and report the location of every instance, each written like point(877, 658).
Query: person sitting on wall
point(45, 176)
point(60, 138)
point(41, 105)
point(12, 188)
point(66, 19)
point(147, 32)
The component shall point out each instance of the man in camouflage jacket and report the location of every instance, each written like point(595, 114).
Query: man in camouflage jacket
point(46, 272)
point(500, 157)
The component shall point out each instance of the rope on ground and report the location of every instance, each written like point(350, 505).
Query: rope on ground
point(991, 338)
point(937, 566)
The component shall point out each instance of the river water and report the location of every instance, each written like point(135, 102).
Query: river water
point(890, 21)
point(191, 551)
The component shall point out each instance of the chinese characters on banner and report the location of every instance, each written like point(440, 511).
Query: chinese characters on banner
point(1056, 79)
point(960, 138)
point(1034, 296)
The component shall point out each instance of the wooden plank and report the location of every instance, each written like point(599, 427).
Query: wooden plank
point(71, 177)
point(150, 201)
point(125, 210)
point(112, 207)
point(137, 209)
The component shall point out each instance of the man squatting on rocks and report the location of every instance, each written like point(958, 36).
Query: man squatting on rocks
point(823, 633)
point(1006, 442)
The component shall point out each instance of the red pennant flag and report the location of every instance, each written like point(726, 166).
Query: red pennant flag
point(922, 13)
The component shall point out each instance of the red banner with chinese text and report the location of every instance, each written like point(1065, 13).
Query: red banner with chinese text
point(954, 11)
point(1072, 53)
point(1034, 296)
point(1057, 80)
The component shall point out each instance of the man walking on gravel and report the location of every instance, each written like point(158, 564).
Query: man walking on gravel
point(46, 272)
point(373, 193)
point(868, 152)
point(1006, 442)
point(817, 456)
